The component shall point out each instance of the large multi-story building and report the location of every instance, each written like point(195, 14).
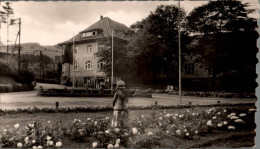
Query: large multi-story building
point(87, 68)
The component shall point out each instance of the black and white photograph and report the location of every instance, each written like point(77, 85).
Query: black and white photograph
point(129, 74)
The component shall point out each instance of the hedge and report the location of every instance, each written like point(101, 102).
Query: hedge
point(108, 108)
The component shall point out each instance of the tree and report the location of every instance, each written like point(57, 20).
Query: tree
point(154, 47)
point(104, 55)
point(225, 38)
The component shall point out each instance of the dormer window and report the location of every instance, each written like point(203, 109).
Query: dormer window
point(87, 34)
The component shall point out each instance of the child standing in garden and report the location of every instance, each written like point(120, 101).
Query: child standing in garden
point(120, 114)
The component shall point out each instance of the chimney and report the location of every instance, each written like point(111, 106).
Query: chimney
point(101, 17)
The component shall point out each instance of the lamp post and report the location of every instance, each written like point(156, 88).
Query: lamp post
point(112, 63)
point(179, 47)
point(73, 63)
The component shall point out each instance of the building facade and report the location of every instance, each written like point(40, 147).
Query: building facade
point(87, 70)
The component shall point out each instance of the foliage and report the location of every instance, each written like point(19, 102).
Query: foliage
point(104, 55)
point(25, 77)
point(154, 46)
point(108, 108)
point(147, 130)
point(225, 40)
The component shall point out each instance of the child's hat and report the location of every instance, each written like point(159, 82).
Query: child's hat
point(120, 84)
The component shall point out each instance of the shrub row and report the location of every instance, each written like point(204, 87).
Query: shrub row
point(198, 94)
point(108, 108)
point(4, 88)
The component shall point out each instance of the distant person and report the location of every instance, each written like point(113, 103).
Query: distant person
point(120, 114)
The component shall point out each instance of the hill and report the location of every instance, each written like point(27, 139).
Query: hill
point(35, 48)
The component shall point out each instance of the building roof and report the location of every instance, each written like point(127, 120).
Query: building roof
point(104, 27)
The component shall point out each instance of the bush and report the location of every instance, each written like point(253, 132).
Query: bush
point(25, 77)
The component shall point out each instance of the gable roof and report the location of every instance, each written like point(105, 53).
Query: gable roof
point(105, 26)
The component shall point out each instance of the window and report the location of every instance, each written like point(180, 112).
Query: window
point(76, 50)
point(87, 34)
point(75, 66)
point(189, 68)
point(87, 80)
point(88, 65)
point(100, 65)
point(89, 49)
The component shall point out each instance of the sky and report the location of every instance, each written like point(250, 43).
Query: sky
point(50, 23)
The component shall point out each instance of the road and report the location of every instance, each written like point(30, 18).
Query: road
point(30, 99)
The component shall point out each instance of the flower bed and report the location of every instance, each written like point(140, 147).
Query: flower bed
point(186, 126)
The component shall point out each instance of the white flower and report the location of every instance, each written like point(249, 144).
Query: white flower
point(16, 126)
point(33, 141)
point(214, 117)
point(118, 141)
point(117, 129)
point(94, 144)
point(109, 146)
point(225, 122)
point(196, 132)
point(160, 123)
point(116, 145)
point(234, 117)
point(107, 118)
point(185, 130)
point(187, 134)
point(19, 145)
point(231, 127)
point(134, 130)
point(178, 132)
point(51, 143)
point(181, 115)
point(220, 124)
point(167, 131)
point(5, 130)
point(252, 110)
point(48, 138)
point(95, 123)
point(58, 144)
point(49, 122)
point(239, 121)
point(219, 113)
point(193, 114)
point(150, 133)
point(209, 123)
point(88, 119)
point(31, 125)
point(34, 147)
point(168, 115)
point(75, 120)
point(26, 139)
point(160, 118)
point(225, 110)
point(242, 115)
point(107, 131)
point(39, 147)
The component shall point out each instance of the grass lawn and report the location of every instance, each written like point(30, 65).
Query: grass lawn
point(243, 137)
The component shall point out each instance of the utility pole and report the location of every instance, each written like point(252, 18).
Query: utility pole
point(19, 48)
point(73, 61)
point(112, 67)
point(41, 64)
point(179, 43)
